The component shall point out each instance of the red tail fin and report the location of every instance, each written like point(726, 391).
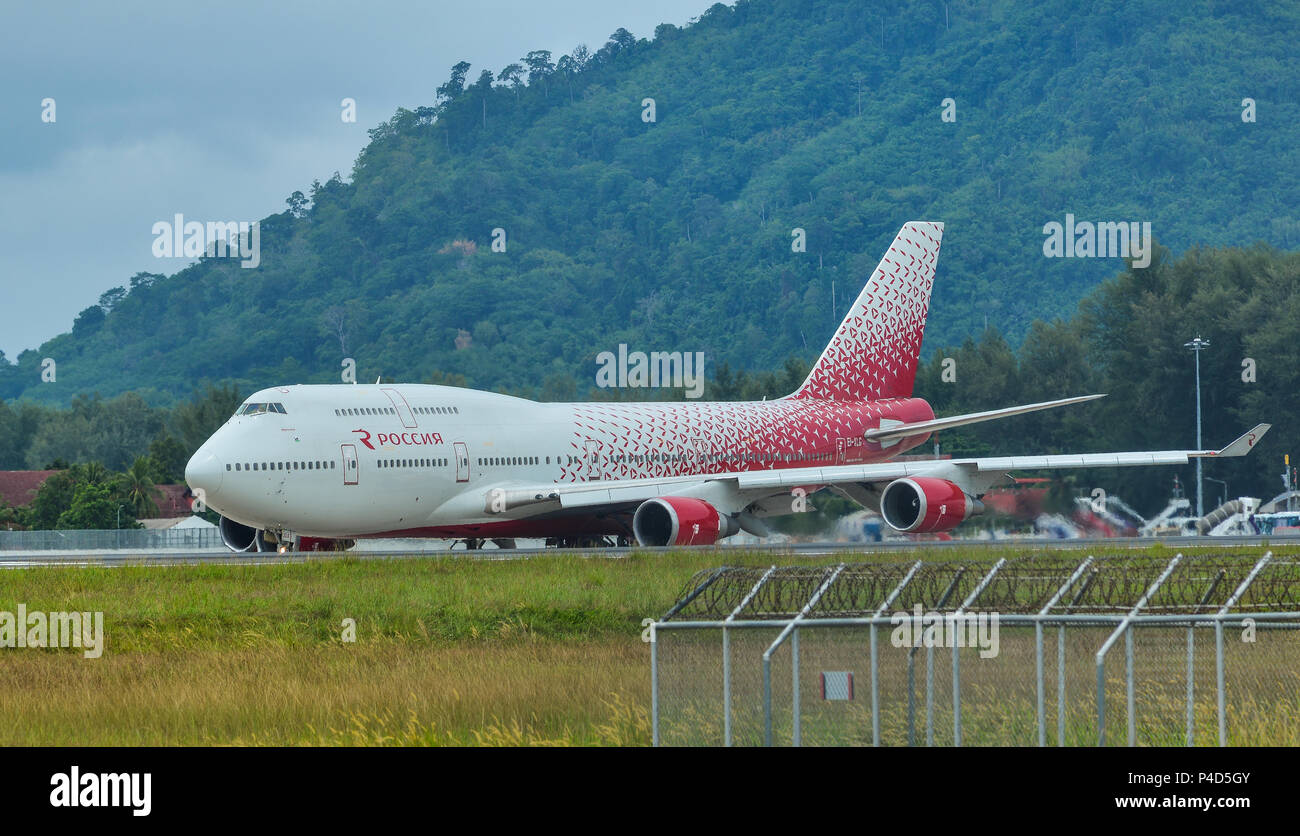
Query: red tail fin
point(875, 352)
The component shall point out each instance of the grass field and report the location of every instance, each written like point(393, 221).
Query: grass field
point(448, 650)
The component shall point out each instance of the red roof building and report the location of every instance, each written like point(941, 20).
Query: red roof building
point(19, 487)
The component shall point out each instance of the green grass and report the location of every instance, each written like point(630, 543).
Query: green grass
point(545, 650)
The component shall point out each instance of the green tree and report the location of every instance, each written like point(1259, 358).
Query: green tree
point(137, 487)
point(94, 507)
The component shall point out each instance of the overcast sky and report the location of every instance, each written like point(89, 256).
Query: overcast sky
point(218, 111)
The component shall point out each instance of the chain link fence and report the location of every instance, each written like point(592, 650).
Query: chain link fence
point(135, 539)
point(1035, 651)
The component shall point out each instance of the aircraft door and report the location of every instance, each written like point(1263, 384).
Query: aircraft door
point(462, 461)
point(351, 468)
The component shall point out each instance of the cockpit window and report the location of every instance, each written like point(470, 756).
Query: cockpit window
point(261, 408)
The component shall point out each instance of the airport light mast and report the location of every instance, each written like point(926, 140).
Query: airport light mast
point(1197, 346)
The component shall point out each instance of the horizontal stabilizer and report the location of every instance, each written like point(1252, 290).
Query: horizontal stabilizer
point(1242, 445)
point(894, 431)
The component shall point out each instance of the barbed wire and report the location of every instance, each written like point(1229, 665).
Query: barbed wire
point(1108, 585)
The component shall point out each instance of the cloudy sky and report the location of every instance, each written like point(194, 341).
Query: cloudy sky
point(218, 111)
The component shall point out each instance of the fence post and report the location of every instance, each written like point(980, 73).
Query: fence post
point(929, 696)
point(1191, 658)
point(1218, 642)
point(1191, 687)
point(1130, 696)
point(726, 685)
point(1219, 676)
point(654, 687)
point(875, 690)
point(1060, 659)
point(796, 719)
point(1060, 685)
point(875, 665)
point(929, 672)
point(1038, 662)
point(1105, 648)
point(956, 650)
point(790, 627)
point(726, 653)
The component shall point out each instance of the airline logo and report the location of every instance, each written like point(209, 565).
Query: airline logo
point(399, 439)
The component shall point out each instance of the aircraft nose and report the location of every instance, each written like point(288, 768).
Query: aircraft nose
point(203, 473)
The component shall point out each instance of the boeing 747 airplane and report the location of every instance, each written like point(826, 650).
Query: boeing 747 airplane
point(314, 466)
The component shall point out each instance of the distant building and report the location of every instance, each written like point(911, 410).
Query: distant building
point(19, 487)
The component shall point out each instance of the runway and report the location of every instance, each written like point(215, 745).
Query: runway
point(13, 560)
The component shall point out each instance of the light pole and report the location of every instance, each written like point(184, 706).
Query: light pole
point(119, 526)
point(1197, 346)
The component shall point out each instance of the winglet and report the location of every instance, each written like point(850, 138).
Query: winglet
point(1242, 445)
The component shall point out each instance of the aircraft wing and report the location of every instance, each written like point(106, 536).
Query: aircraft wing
point(891, 431)
point(972, 475)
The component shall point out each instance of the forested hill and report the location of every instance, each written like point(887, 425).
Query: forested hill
point(675, 233)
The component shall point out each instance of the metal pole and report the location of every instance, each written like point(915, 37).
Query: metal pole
point(956, 650)
point(1060, 653)
point(875, 692)
point(1197, 346)
point(1218, 663)
point(929, 672)
point(1060, 685)
point(794, 688)
point(726, 686)
point(767, 654)
point(1130, 696)
point(875, 687)
point(1200, 485)
point(1038, 644)
point(767, 700)
point(1191, 658)
point(726, 649)
point(654, 687)
point(1038, 670)
point(956, 692)
point(929, 696)
point(1191, 687)
point(1123, 628)
point(1218, 641)
point(911, 697)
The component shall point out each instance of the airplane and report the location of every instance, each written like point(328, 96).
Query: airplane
point(308, 467)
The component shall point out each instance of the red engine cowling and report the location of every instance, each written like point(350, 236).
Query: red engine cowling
point(924, 504)
point(680, 521)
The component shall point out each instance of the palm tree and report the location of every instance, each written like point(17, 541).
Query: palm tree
point(138, 489)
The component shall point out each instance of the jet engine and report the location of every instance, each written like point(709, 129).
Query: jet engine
point(241, 538)
point(680, 521)
point(925, 504)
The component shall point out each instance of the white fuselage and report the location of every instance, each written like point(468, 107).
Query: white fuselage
point(343, 461)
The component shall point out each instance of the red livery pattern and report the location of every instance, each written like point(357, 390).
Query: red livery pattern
point(638, 441)
point(875, 353)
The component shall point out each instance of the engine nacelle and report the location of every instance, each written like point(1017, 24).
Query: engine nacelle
point(924, 504)
point(241, 538)
point(680, 521)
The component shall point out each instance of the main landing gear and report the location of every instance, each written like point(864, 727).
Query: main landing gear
point(476, 543)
